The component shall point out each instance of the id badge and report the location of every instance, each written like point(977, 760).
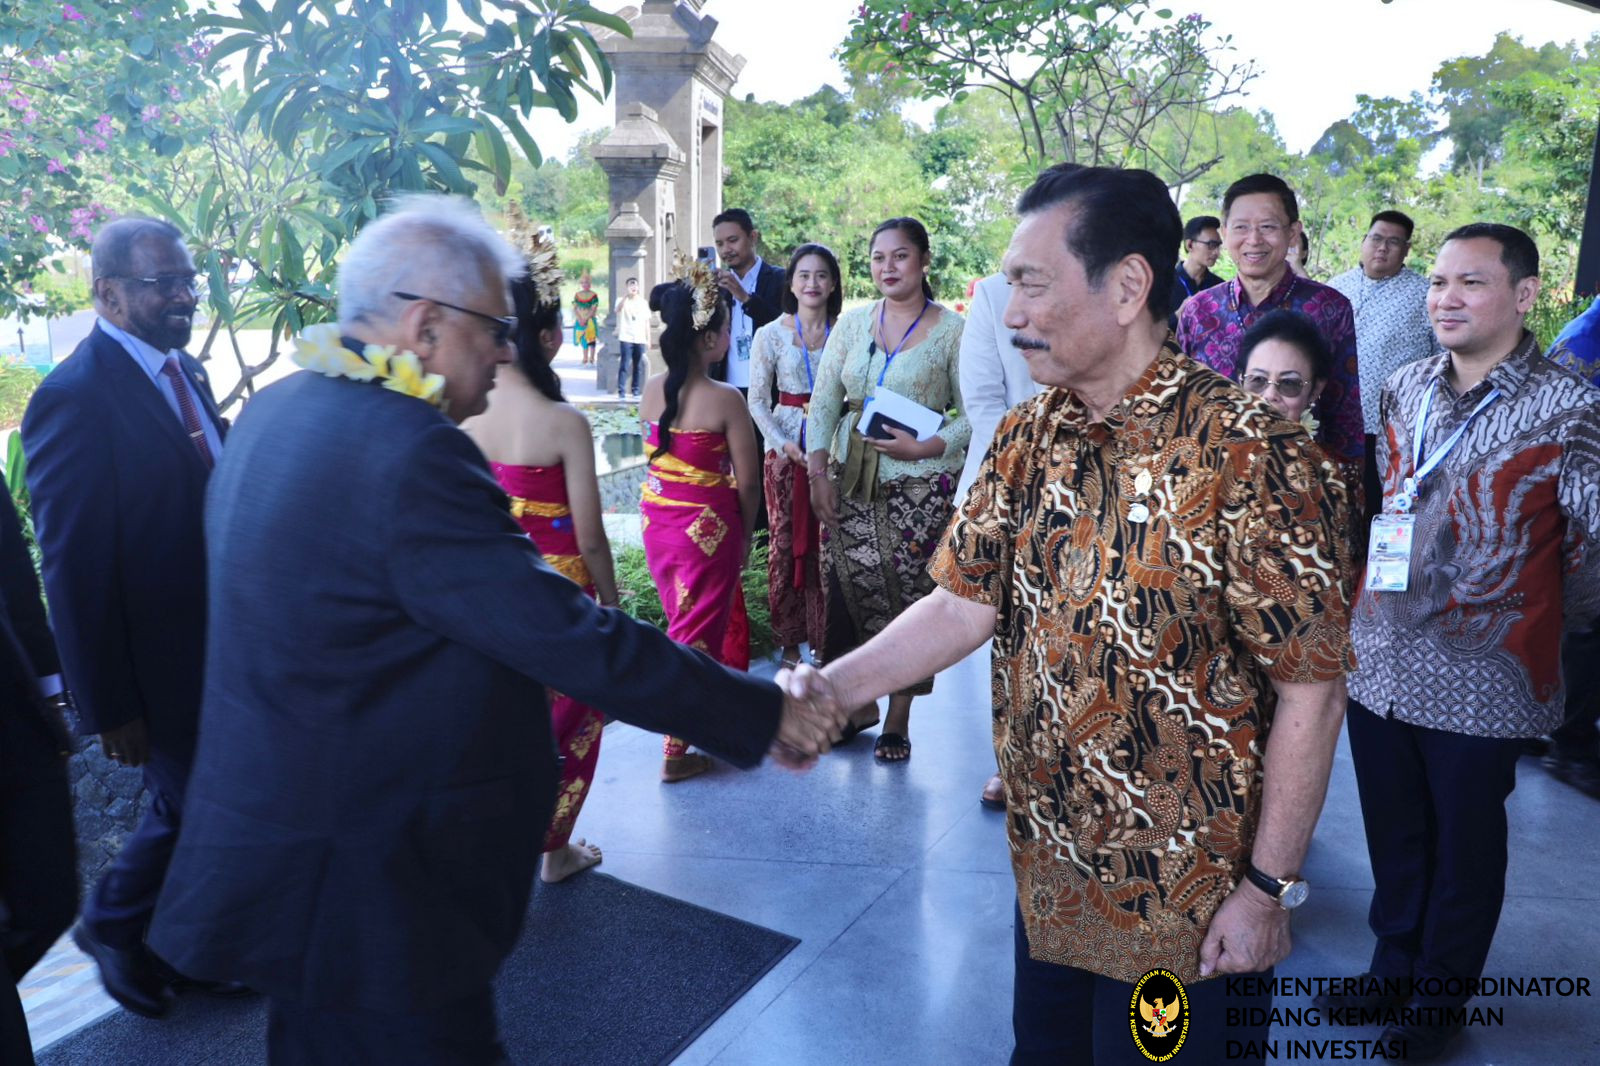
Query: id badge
point(1389, 553)
point(742, 348)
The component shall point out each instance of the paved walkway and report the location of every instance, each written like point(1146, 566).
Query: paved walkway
point(899, 886)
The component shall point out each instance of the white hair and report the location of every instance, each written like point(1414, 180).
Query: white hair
point(431, 245)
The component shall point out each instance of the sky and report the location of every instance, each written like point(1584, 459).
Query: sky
point(1313, 63)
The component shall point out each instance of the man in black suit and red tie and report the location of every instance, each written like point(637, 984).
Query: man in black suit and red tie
point(120, 440)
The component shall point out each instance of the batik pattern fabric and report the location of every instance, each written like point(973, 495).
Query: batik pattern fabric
point(539, 504)
point(1503, 555)
point(794, 570)
point(1577, 346)
point(694, 545)
point(1153, 574)
point(1211, 323)
point(875, 560)
point(1392, 329)
point(780, 394)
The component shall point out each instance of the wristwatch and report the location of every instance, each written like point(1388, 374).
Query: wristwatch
point(1290, 892)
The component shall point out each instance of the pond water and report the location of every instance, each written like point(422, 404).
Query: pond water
point(618, 451)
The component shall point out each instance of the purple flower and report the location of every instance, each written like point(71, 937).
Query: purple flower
point(19, 102)
point(70, 13)
point(38, 223)
point(102, 125)
point(173, 93)
point(905, 21)
point(7, 142)
point(54, 167)
point(150, 113)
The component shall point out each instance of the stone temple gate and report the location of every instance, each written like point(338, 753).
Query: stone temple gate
point(664, 155)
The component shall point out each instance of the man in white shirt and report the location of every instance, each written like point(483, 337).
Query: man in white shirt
point(633, 336)
point(755, 287)
point(1392, 328)
point(994, 379)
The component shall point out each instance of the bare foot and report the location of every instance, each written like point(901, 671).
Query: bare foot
point(682, 767)
point(562, 863)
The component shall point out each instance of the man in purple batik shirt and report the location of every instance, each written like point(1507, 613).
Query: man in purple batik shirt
point(1260, 223)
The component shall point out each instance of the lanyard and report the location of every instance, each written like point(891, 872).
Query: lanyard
point(1404, 499)
point(882, 310)
point(1234, 293)
point(1187, 282)
point(799, 338)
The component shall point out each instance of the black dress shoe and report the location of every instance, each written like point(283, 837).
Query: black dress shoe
point(1581, 770)
point(1371, 994)
point(129, 974)
point(1420, 1043)
point(220, 989)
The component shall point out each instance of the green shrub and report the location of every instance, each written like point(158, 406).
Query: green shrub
point(637, 595)
point(17, 382)
point(1551, 312)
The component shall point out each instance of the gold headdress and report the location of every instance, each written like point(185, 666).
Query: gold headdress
point(539, 249)
point(702, 283)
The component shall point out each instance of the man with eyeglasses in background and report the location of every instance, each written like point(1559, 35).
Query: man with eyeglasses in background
point(1392, 328)
point(120, 441)
point(1202, 246)
point(1260, 223)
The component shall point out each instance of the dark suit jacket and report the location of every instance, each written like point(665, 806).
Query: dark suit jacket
point(27, 650)
point(117, 491)
point(1183, 286)
point(376, 767)
point(764, 305)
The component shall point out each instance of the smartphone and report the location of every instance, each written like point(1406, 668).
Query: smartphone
point(708, 256)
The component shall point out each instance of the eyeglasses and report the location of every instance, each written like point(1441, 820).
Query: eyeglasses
point(504, 327)
point(1386, 242)
point(1288, 387)
point(1267, 230)
point(1209, 244)
point(167, 284)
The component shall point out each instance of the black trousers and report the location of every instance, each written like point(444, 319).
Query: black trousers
point(1061, 1014)
point(1434, 806)
point(1578, 734)
point(38, 864)
point(119, 909)
point(462, 1033)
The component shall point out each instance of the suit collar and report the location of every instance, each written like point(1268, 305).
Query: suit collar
point(125, 378)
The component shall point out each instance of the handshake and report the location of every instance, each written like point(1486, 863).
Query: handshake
point(814, 718)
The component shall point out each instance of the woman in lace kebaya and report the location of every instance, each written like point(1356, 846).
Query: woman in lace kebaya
point(784, 360)
point(885, 502)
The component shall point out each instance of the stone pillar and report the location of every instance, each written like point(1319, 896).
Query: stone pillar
point(680, 76)
point(629, 237)
point(643, 164)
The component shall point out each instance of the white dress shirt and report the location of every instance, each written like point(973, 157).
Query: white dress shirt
point(151, 361)
point(741, 333)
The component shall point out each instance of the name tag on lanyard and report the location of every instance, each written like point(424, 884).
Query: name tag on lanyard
point(1393, 533)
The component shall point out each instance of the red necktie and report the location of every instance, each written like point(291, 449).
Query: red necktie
point(186, 410)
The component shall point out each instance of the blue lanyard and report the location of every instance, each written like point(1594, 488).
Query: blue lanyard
point(1187, 282)
point(827, 331)
point(1233, 299)
point(882, 310)
point(1422, 469)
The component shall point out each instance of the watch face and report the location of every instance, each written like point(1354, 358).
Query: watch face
point(1294, 894)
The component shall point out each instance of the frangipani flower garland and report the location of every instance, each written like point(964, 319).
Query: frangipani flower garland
point(321, 348)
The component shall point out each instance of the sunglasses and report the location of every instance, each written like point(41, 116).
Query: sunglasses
point(504, 328)
point(1288, 387)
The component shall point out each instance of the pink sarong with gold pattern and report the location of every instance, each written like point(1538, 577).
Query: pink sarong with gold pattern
point(539, 504)
point(694, 543)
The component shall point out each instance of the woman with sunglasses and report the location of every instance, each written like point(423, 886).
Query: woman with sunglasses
point(1286, 363)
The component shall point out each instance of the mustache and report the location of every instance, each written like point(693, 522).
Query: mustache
point(1026, 343)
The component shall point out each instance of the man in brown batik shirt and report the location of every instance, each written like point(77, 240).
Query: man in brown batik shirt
point(1158, 558)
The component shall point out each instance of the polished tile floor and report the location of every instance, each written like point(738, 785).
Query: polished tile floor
point(898, 885)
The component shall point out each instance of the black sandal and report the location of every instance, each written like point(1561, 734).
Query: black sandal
point(891, 741)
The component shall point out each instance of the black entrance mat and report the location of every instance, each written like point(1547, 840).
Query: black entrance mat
point(605, 972)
